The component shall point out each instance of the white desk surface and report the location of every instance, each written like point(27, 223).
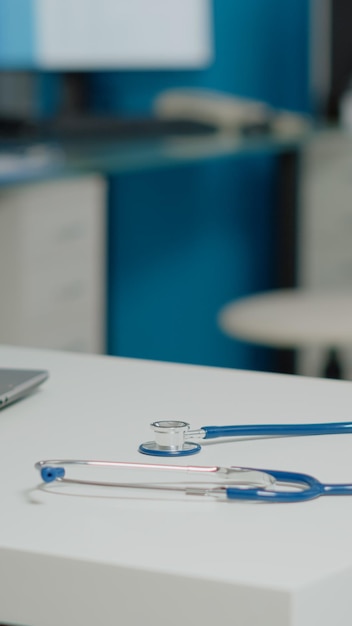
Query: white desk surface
point(123, 558)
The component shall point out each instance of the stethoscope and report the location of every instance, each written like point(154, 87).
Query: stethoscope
point(236, 483)
point(174, 438)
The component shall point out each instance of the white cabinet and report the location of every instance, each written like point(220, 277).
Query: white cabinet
point(325, 236)
point(325, 249)
point(52, 265)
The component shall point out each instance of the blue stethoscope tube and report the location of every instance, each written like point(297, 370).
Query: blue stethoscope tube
point(308, 488)
point(337, 428)
point(174, 438)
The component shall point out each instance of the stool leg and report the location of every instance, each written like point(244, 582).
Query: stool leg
point(333, 365)
point(285, 361)
point(287, 218)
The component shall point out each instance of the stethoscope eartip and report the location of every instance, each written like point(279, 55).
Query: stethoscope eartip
point(49, 474)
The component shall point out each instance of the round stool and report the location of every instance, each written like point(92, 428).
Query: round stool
point(294, 319)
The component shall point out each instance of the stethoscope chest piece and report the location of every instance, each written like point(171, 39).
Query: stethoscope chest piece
point(174, 438)
point(170, 440)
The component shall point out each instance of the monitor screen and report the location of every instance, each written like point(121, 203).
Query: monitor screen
point(84, 34)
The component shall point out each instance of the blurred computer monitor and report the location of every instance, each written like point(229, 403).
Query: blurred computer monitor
point(141, 34)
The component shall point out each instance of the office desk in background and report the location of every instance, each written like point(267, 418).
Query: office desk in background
point(22, 162)
point(59, 185)
point(133, 559)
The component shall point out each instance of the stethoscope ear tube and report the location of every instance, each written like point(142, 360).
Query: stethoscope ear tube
point(54, 470)
point(236, 483)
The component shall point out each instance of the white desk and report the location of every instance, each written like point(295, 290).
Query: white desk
point(164, 560)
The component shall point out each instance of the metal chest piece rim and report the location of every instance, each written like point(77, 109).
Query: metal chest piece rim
point(169, 441)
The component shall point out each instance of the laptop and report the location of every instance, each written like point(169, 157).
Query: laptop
point(17, 383)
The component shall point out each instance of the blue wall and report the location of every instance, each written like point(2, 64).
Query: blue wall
point(182, 243)
point(185, 241)
point(17, 38)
